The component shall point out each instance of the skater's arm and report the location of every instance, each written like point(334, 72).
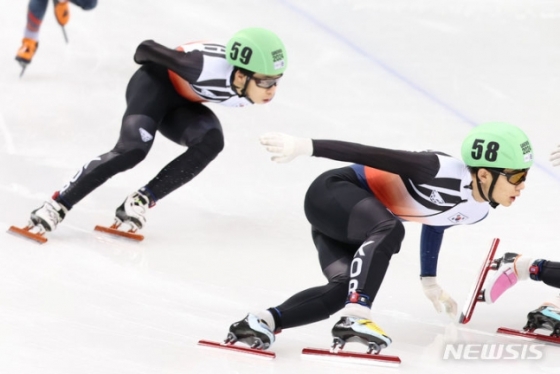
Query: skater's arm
point(430, 244)
point(187, 65)
point(421, 167)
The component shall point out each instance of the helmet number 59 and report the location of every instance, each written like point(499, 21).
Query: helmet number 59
point(244, 54)
point(491, 152)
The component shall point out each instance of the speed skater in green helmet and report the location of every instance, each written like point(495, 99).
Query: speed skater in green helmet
point(259, 57)
point(497, 151)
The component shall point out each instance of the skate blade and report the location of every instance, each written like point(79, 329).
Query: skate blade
point(25, 232)
point(475, 295)
point(237, 348)
point(65, 35)
point(113, 230)
point(529, 334)
point(355, 357)
point(23, 65)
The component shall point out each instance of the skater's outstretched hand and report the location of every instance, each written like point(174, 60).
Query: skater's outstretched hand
point(555, 156)
point(439, 297)
point(286, 147)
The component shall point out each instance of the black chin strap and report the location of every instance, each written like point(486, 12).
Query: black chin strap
point(244, 89)
point(488, 198)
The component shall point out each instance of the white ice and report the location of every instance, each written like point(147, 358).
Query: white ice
point(392, 73)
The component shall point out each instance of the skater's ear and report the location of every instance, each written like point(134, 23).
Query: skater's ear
point(241, 77)
point(483, 175)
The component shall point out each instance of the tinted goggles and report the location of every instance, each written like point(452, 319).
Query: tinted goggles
point(515, 177)
point(266, 82)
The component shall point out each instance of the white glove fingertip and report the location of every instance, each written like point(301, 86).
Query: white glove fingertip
point(268, 142)
point(274, 149)
point(452, 309)
point(263, 139)
point(449, 303)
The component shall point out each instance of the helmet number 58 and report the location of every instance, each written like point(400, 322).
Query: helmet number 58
point(491, 152)
point(244, 54)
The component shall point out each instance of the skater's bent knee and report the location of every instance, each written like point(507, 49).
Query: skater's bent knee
point(213, 142)
point(392, 232)
point(397, 230)
point(127, 159)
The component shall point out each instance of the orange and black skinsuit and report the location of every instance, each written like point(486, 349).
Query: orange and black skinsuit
point(156, 101)
point(357, 213)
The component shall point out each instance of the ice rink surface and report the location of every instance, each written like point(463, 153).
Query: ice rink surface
point(399, 74)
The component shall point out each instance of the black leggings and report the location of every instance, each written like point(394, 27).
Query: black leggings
point(550, 273)
point(355, 236)
point(153, 105)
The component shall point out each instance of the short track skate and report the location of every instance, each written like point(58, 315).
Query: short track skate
point(372, 355)
point(536, 321)
point(530, 334)
point(230, 344)
point(33, 232)
point(476, 293)
point(115, 229)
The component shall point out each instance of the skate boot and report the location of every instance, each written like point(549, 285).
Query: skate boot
point(26, 51)
point(133, 210)
point(510, 268)
point(545, 317)
point(48, 216)
point(251, 331)
point(354, 329)
point(61, 11)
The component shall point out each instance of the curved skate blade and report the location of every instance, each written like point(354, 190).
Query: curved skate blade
point(475, 294)
point(113, 230)
point(529, 335)
point(238, 348)
point(26, 233)
point(351, 357)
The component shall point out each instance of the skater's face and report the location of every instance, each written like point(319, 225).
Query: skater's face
point(259, 88)
point(262, 88)
point(509, 184)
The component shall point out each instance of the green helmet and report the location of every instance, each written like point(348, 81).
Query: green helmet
point(497, 145)
point(257, 50)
